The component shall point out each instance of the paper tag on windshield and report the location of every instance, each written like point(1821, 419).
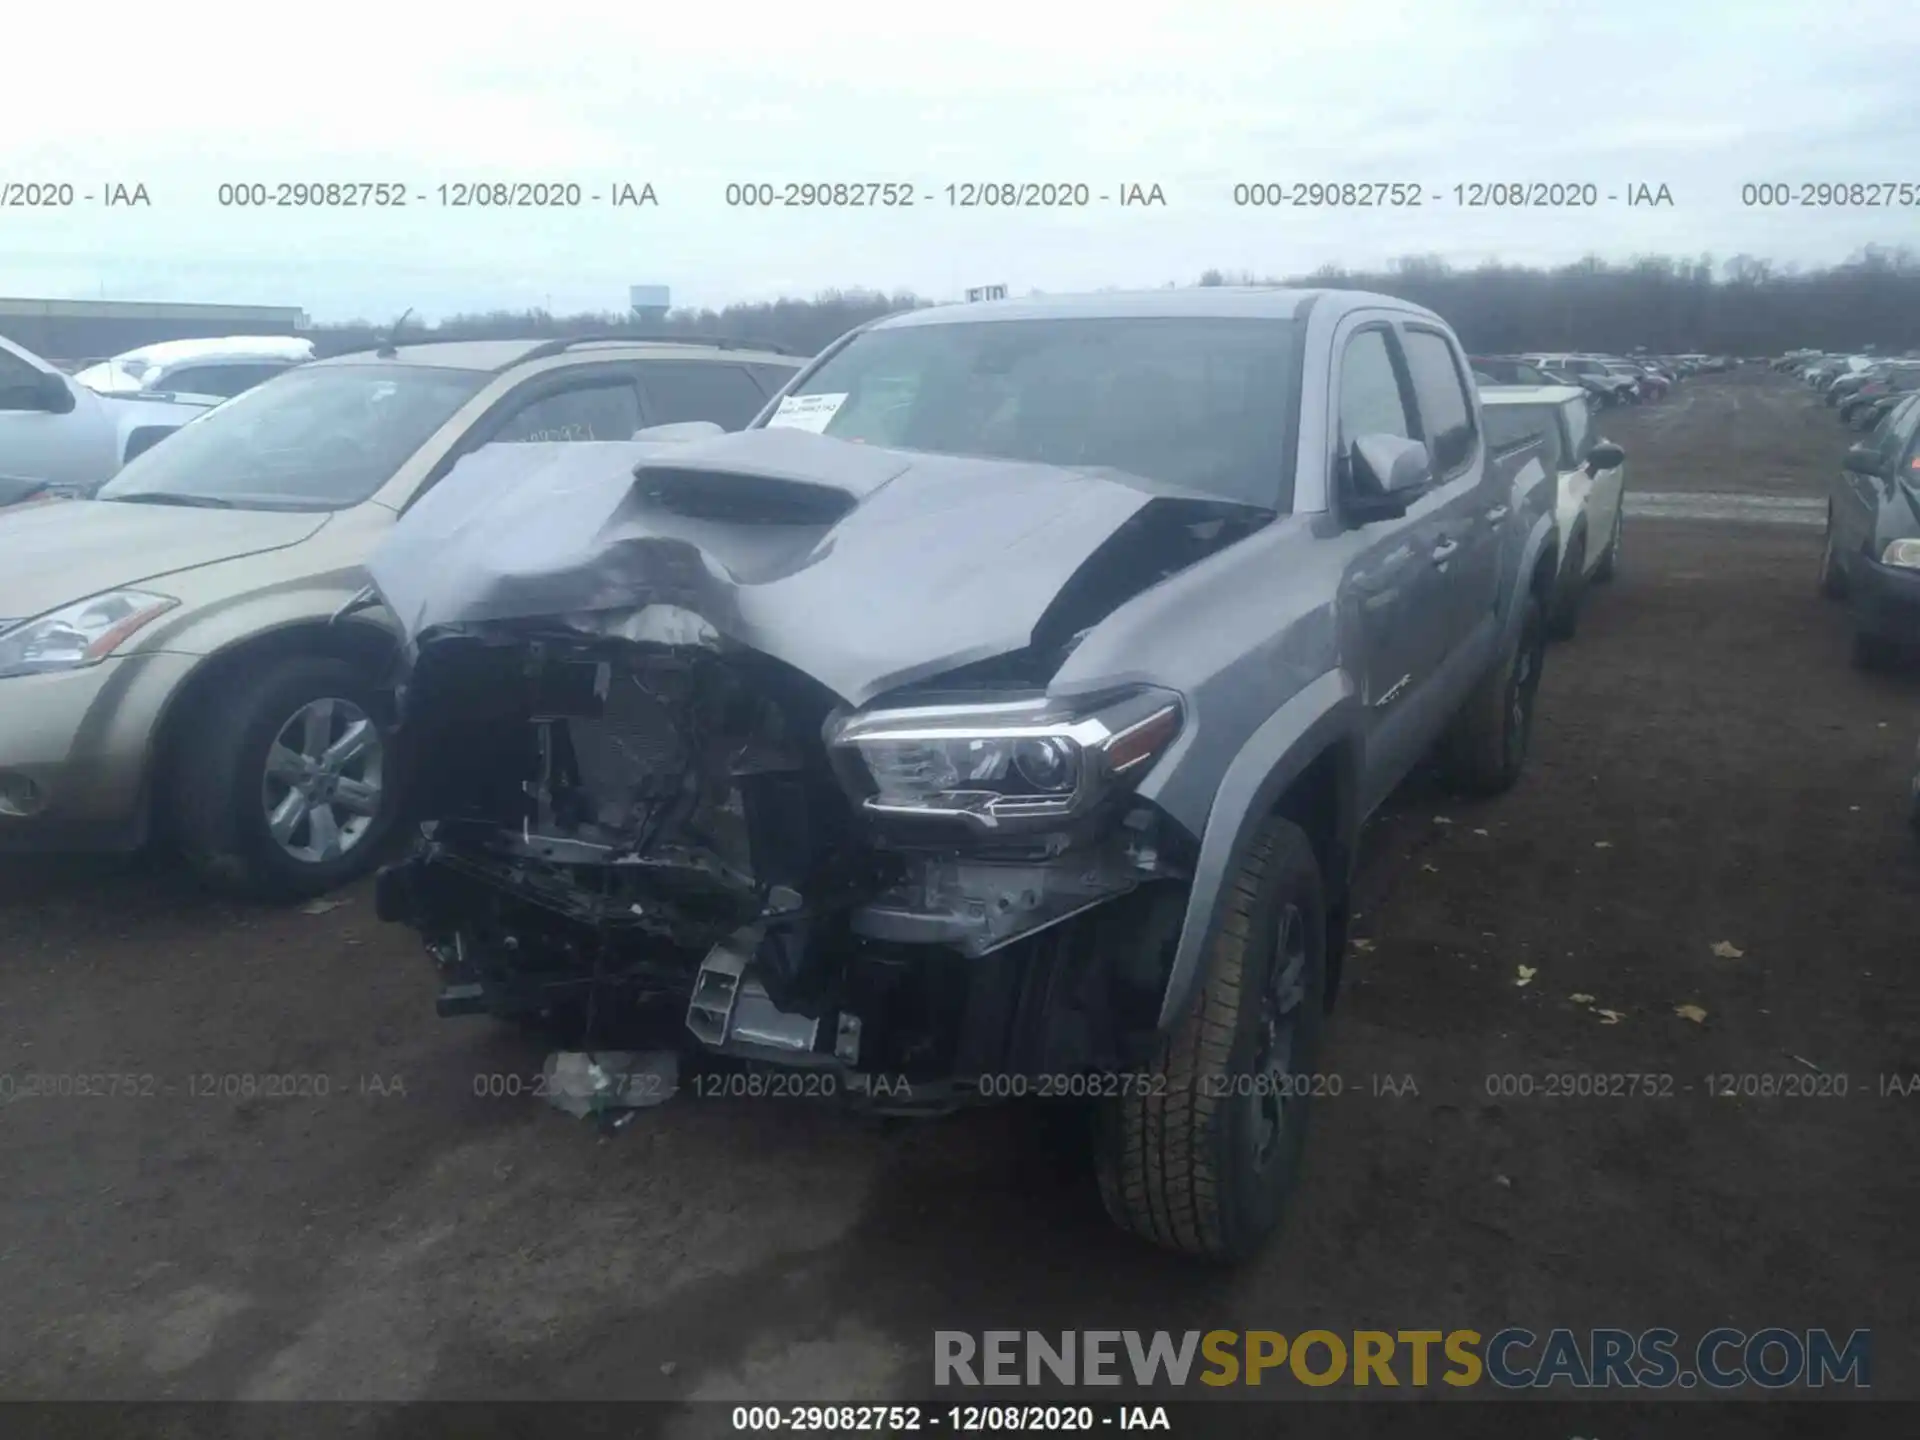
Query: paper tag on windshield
point(806, 412)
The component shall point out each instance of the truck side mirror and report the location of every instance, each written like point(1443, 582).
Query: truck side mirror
point(1862, 459)
point(1384, 475)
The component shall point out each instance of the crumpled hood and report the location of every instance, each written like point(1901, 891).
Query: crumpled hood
point(53, 554)
point(863, 567)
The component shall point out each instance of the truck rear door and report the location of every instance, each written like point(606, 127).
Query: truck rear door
point(1468, 513)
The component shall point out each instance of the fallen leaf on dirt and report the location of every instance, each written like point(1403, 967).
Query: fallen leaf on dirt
point(1525, 974)
point(1691, 1012)
point(1610, 1017)
point(1503, 1181)
point(1363, 946)
point(1443, 819)
point(1479, 832)
point(1580, 999)
point(1603, 844)
point(1434, 868)
point(1727, 950)
point(320, 907)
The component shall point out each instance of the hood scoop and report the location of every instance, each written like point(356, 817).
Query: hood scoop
point(740, 498)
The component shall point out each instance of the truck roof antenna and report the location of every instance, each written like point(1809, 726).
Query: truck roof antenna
point(388, 348)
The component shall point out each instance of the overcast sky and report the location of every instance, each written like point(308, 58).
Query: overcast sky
point(1696, 95)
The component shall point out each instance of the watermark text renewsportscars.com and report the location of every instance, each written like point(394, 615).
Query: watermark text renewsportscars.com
point(1512, 1358)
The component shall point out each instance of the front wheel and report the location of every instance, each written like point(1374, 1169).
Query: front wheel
point(1205, 1162)
point(285, 783)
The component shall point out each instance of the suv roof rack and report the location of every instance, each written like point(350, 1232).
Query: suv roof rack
point(561, 344)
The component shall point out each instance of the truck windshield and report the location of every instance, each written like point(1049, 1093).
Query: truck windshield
point(1196, 402)
point(319, 438)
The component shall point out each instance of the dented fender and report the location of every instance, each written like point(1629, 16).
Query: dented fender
point(1324, 716)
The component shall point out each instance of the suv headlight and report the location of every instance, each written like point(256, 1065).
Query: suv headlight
point(83, 633)
point(996, 763)
point(1904, 553)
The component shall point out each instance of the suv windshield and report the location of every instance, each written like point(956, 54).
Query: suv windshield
point(1201, 403)
point(319, 438)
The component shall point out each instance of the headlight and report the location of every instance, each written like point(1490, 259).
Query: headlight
point(1904, 553)
point(83, 633)
point(998, 762)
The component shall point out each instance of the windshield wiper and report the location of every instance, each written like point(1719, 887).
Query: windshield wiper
point(169, 497)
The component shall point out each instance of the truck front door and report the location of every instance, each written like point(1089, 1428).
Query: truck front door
point(1391, 598)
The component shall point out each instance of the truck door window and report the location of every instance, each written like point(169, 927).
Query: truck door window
point(1579, 425)
point(1371, 402)
point(1446, 414)
point(19, 384)
point(1899, 434)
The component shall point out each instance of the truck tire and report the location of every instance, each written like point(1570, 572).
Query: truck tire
point(1486, 749)
point(1571, 591)
point(1609, 565)
point(1205, 1162)
point(1833, 580)
point(244, 753)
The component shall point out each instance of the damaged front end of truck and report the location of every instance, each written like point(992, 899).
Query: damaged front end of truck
point(747, 744)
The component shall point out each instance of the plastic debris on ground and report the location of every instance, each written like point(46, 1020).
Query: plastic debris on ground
point(583, 1082)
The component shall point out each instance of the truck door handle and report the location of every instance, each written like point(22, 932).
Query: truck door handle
point(1443, 552)
point(1497, 513)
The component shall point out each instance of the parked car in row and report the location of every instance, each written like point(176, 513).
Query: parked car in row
point(58, 438)
point(789, 742)
point(176, 664)
point(1871, 558)
point(1619, 389)
point(1857, 402)
point(1593, 477)
point(222, 367)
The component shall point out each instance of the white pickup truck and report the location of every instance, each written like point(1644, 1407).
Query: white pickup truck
point(58, 438)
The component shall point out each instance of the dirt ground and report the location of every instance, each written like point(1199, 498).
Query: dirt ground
point(1707, 769)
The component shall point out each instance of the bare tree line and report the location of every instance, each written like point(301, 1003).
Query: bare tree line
point(1743, 306)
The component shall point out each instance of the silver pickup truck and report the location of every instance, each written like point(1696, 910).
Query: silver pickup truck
point(997, 716)
point(59, 439)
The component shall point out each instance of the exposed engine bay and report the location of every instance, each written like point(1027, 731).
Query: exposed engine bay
point(640, 820)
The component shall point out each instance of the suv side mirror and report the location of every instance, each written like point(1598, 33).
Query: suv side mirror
point(680, 430)
point(1862, 459)
point(1605, 456)
point(1384, 475)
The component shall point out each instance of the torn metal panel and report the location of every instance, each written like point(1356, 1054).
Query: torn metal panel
point(866, 569)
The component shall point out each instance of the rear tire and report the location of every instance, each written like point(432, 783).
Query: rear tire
point(1486, 749)
point(1609, 564)
point(1571, 591)
point(1833, 580)
point(1199, 1166)
point(216, 788)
